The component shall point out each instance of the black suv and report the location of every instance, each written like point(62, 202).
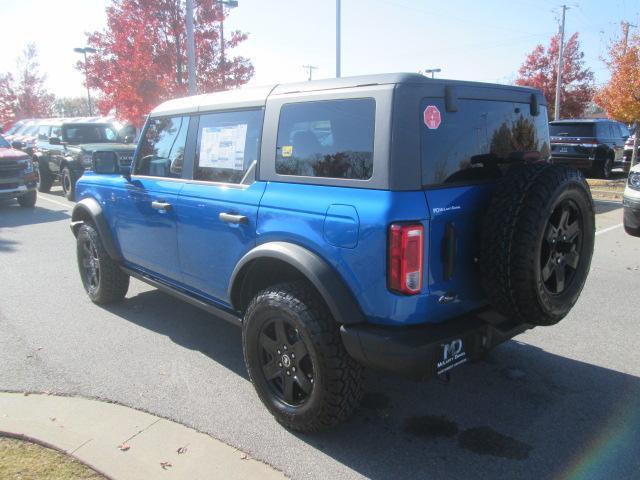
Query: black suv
point(595, 146)
point(65, 148)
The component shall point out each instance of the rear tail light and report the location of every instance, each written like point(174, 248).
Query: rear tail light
point(406, 258)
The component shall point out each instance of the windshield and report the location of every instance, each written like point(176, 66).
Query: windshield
point(4, 143)
point(571, 129)
point(89, 133)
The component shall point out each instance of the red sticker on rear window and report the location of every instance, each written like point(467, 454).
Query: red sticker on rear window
point(432, 117)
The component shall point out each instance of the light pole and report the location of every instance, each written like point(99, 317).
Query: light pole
point(310, 69)
point(432, 71)
point(230, 4)
point(338, 40)
point(191, 50)
point(84, 51)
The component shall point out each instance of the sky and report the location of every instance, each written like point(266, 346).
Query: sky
point(482, 40)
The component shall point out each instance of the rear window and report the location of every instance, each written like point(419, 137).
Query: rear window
point(571, 130)
point(469, 145)
point(332, 139)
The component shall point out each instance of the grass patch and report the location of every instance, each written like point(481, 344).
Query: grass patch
point(20, 460)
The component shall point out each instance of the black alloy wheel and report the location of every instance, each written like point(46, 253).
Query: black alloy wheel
point(90, 263)
point(561, 246)
point(286, 364)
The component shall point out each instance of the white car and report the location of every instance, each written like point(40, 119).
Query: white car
point(631, 202)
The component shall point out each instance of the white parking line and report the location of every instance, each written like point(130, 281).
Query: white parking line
point(608, 229)
point(67, 206)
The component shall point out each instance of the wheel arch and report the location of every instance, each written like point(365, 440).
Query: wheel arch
point(275, 262)
point(88, 210)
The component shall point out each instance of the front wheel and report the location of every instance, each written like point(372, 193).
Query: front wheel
point(68, 183)
point(296, 359)
point(102, 278)
point(28, 200)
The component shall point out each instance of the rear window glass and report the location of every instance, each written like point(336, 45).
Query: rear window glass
point(332, 139)
point(472, 144)
point(571, 130)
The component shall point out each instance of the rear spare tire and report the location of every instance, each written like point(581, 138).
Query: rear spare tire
point(537, 243)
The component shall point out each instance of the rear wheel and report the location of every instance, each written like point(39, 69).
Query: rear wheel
point(28, 200)
point(537, 244)
point(102, 278)
point(296, 360)
point(68, 183)
point(605, 168)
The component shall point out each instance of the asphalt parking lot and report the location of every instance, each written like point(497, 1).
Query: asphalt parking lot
point(556, 403)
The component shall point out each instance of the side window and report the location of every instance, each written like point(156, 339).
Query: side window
point(43, 132)
point(331, 139)
point(161, 152)
point(228, 143)
point(624, 131)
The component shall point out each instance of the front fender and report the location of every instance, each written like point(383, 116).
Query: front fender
point(323, 277)
point(89, 210)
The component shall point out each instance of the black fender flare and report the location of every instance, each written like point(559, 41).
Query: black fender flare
point(90, 209)
point(318, 272)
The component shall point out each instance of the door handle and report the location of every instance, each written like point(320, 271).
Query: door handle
point(161, 205)
point(230, 218)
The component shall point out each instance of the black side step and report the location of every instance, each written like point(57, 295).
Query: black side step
point(196, 302)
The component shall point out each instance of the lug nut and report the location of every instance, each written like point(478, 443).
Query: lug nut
point(278, 352)
point(293, 369)
point(293, 355)
point(285, 347)
point(280, 365)
point(288, 372)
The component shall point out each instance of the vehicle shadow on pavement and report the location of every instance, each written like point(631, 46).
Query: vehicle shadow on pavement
point(522, 412)
point(609, 206)
point(13, 215)
point(185, 325)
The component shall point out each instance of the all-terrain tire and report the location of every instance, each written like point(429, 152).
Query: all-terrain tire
point(110, 284)
point(604, 168)
point(534, 261)
point(336, 380)
point(45, 178)
point(28, 200)
point(68, 184)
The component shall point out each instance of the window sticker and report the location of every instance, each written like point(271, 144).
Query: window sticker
point(287, 150)
point(223, 147)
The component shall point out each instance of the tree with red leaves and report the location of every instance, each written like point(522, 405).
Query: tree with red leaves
point(24, 96)
point(141, 57)
point(620, 97)
point(540, 70)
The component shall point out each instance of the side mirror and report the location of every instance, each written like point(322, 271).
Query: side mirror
point(54, 141)
point(126, 173)
point(17, 145)
point(105, 163)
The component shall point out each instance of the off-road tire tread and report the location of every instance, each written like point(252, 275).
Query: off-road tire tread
point(345, 376)
point(28, 200)
point(510, 232)
point(71, 193)
point(46, 179)
point(114, 283)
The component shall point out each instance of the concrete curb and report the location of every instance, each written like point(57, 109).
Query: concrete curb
point(123, 443)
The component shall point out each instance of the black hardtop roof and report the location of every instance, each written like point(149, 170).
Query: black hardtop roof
point(385, 79)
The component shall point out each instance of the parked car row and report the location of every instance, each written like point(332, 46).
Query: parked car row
point(61, 148)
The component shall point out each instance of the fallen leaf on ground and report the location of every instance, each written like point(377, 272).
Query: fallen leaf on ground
point(165, 465)
point(124, 447)
point(182, 450)
point(53, 419)
point(245, 456)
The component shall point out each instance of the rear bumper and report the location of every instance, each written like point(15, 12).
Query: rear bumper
point(428, 350)
point(583, 163)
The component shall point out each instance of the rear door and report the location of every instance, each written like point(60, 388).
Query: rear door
point(218, 209)
point(147, 206)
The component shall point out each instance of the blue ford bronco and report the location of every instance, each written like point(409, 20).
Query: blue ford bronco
point(388, 221)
